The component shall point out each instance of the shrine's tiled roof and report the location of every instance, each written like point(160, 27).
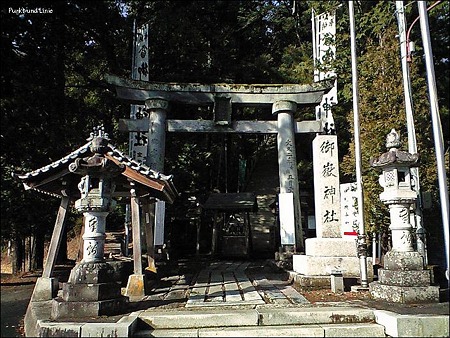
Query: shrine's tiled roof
point(65, 161)
point(56, 177)
point(139, 167)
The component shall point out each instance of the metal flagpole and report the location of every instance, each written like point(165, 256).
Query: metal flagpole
point(437, 126)
point(412, 144)
point(362, 246)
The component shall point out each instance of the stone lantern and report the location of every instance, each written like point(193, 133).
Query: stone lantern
point(403, 278)
point(91, 288)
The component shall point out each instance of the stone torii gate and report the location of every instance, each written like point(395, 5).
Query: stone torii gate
point(283, 98)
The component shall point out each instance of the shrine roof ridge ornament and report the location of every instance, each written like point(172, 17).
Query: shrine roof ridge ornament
point(197, 93)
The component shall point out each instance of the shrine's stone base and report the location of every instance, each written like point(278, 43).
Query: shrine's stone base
point(330, 247)
point(404, 280)
point(92, 272)
point(324, 256)
point(90, 292)
point(45, 289)
point(398, 260)
point(110, 307)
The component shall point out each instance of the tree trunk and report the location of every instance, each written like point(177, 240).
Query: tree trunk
point(38, 252)
point(29, 253)
point(17, 256)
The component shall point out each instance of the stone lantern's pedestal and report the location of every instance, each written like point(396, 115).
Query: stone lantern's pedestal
point(404, 280)
point(90, 291)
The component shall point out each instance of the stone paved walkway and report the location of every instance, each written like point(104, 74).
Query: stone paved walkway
point(226, 283)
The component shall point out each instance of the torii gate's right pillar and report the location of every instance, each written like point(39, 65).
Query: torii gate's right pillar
point(291, 232)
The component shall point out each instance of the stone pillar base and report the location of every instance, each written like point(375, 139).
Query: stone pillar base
point(137, 286)
point(323, 266)
point(404, 294)
point(45, 289)
point(91, 273)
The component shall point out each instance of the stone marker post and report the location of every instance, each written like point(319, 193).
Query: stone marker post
point(326, 186)
point(329, 251)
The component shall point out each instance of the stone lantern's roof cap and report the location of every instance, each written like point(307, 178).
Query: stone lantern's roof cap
point(99, 140)
point(394, 155)
point(393, 139)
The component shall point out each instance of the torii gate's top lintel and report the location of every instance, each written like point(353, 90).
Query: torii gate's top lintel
point(205, 94)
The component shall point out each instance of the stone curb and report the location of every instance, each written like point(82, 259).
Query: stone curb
point(124, 327)
point(413, 325)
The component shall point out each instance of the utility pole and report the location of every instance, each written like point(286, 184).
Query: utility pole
point(362, 246)
point(437, 126)
point(416, 215)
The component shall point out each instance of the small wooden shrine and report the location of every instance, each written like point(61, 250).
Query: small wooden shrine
point(231, 229)
point(94, 176)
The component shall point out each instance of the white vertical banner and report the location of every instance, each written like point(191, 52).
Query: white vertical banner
point(324, 51)
point(287, 219)
point(138, 141)
point(159, 222)
point(349, 210)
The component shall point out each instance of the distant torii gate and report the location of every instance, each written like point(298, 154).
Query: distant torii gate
point(284, 100)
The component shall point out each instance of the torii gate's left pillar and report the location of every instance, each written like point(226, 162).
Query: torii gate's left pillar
point(157, 110)
point(289, 197)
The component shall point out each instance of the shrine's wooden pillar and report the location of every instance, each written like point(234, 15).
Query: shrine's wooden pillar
point(47, 286)
point(136, 286)
point(291, 229)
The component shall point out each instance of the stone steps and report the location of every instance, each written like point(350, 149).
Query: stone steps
point(235, 299)
point(261, 321)
point(338, 330)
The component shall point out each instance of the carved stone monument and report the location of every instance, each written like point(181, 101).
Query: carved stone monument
point(330, 252)
point(403, 278)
